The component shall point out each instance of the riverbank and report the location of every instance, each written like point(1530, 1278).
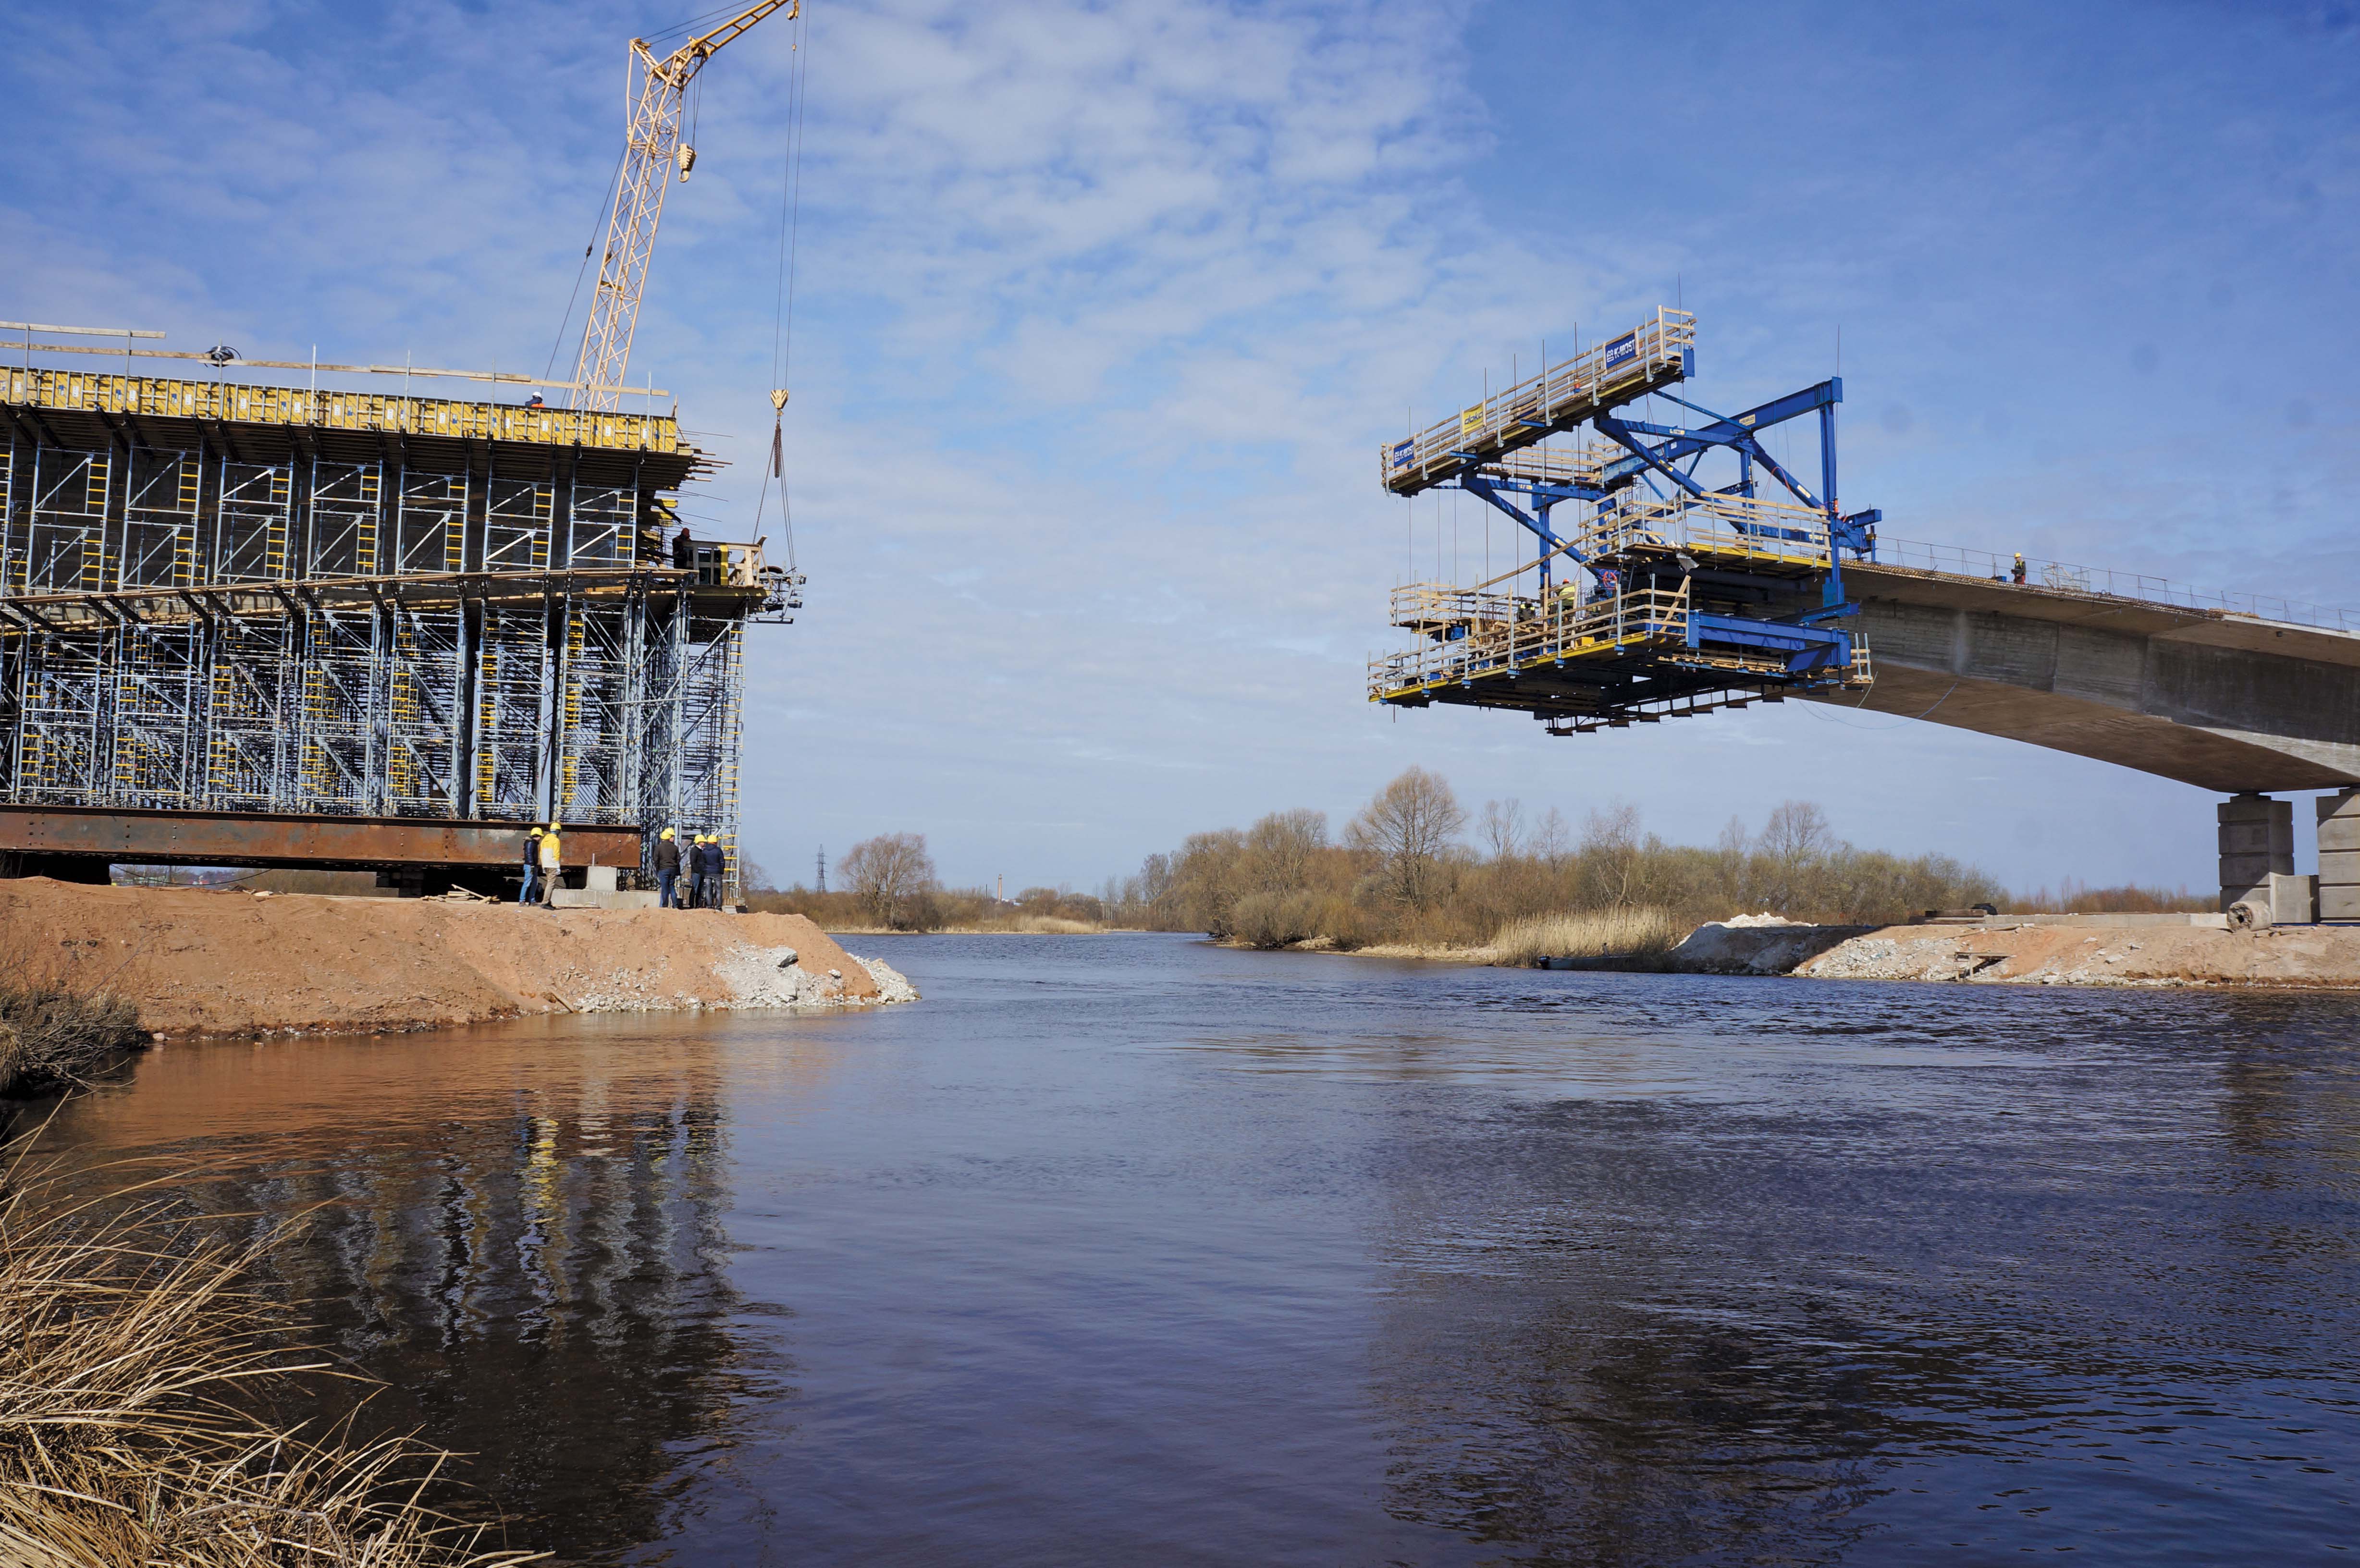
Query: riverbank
point(2303, 957)
point(2133, 954)
point(204, 961)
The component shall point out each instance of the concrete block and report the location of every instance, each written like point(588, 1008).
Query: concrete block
point(2339, 865)
point(2251, 870)
point(2255, 838)
point(2339, 819)
point(2339, 903)
point(2255, 809)
point(599, 879)
point(589, 898)
point(2293, 899)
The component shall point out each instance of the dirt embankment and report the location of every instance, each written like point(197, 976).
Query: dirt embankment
point(2294, 956)
point(198, 960)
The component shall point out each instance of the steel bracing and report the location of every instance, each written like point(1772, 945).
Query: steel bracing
point(1650, 594)
point(268, 617)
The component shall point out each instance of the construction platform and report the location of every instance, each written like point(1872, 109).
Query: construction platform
point(259, 625)
point(1661, 598)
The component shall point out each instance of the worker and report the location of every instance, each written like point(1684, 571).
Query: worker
point(667, 871)
point(2015, 573)
point(551, 861)
point(704, 892)
point(683, 549)
point(530, 893)
point(1569, 597)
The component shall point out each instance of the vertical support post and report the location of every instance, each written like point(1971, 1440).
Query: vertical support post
point(2256, 842)
point(2339, 855)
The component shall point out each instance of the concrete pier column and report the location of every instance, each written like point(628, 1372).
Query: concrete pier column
point(2339, 855)
point(2257, 839)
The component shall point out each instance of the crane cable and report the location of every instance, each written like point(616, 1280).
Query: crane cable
point(782, 320)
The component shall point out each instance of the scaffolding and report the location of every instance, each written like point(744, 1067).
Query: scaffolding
point(219, 598)
point(1665, 595)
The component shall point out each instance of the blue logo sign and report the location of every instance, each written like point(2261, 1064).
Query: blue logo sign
point(1403, 452)
point(1622, 348)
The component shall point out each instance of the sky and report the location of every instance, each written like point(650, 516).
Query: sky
point(1100, 310)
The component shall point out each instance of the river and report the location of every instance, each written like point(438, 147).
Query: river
point(1128, 1248)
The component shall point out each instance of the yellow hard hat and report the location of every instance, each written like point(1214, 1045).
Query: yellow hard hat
point(666, 833)
point(553, 824)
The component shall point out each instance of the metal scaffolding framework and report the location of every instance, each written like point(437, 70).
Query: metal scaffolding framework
point(263, 600)
point(1666, 596)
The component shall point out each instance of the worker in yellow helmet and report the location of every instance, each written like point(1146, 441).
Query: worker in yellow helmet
point(666, 864)
point(551, 858)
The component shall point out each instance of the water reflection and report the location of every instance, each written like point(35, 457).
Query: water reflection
point(1125, 1249)
point(522, 1232)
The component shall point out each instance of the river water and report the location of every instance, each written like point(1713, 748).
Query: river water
point(1133, 1249)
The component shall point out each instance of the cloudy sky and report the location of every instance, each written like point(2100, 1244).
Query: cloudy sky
point(1102, 310)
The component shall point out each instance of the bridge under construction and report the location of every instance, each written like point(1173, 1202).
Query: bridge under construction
point(264, 625)
point(1650, 594)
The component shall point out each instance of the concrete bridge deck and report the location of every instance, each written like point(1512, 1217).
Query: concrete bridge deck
point(2225, 700)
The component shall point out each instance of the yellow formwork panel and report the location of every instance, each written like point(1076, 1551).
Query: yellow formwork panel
point(162, 398)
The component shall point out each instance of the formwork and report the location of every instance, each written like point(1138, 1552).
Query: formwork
point(369, 616)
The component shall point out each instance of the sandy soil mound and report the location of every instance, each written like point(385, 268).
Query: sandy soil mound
point(224, 962)
point(2081, 955)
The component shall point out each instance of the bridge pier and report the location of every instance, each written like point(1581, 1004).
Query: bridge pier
point(2256, 842)
point(2339, 855)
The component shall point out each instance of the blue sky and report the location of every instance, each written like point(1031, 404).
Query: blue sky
point(1102, 308)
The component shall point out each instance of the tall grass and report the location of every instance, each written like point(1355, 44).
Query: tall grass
point(61, 1018)
point(1591, 935)
point(130, 1358)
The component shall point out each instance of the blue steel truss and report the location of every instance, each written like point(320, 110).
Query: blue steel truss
point(1697, 596)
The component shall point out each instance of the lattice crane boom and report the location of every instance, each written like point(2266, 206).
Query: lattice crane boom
point(656, 92)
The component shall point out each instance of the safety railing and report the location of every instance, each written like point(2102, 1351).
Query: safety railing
point(2097, 580)
point(1557, 464)
point(1432, 607)
point(162, 398)
point(1726, 527)
point(1536, 629)
point(1514, 417)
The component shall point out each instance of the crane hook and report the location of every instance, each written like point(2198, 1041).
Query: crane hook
point(687, 160)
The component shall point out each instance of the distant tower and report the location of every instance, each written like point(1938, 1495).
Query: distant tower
point(823, 868)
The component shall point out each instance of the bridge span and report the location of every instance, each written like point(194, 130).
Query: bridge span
point(2225, 699)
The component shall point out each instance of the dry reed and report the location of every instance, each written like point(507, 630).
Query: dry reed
point(60, 1019)
point(1591, 935)
point(131, 1358)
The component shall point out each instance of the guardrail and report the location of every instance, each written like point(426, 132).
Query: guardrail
point(1514, 418)
point(2098, 581)
point(1564, 628)
point(1725, 527)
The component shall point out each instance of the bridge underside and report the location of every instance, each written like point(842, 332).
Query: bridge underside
point(2226, 702)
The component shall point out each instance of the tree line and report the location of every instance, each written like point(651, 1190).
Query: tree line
point(1414, 867)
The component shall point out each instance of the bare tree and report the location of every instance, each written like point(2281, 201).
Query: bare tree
point(1611, 865)
point(891, 874)
point(1407, 827)
point(1501, 828)
point(1552, 841)
point(1282, 847)
point(1794, 845)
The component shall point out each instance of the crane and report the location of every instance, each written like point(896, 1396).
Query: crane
point(655, 92)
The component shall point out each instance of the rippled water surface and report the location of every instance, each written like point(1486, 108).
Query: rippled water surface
point(1131, 1249)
